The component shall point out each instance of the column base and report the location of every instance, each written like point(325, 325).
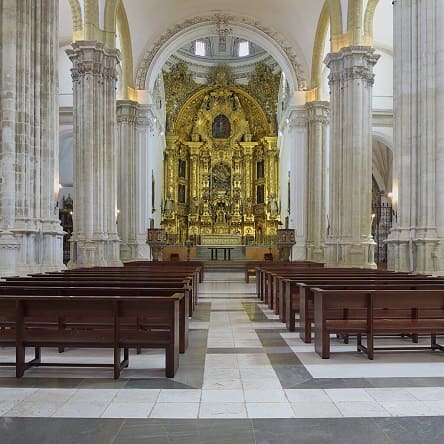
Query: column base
point(419, 252)
point(350, 254)
point(134, 251)
point(315, 253)
point(95, 253)
point(9, 248)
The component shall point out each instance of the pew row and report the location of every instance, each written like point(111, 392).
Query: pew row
point(372, 313)
point(114, 322)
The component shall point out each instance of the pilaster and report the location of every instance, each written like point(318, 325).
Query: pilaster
point(318, 120)
point(349, 242)
point(95, 241)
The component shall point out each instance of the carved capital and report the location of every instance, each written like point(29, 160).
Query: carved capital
point(318, 112)
point(126, 111)
point(352, 63)
point(93, 59)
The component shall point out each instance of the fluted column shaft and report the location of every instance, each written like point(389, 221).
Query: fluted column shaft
point(318, 118)
point(30, 232)
point(132, 134)
point(95, 241)
point(416, 241)
point(350, 243)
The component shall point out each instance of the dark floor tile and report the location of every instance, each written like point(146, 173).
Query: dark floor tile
point(326, 383)
point(155, 383)
point(406, 382)
point(284, 358)
point(292, 375)
point(27, 382)
point(233, 350)
point(318, 431)
point(58, 431)
point(103, 383)
point(192, 377)
point(413, 430)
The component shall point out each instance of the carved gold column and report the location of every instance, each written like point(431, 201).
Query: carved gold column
point(194, 149)
point(170, 186)
point(272, 160)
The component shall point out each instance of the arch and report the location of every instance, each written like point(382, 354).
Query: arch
point(318, 51)
point(126, 50)
point(110, 22)
point(77, 21)
point(354, 21)
point(335, 10)
point(91, 28)
point(382, 161)
point(117, 20)
point(368, 21)
point(199, 27)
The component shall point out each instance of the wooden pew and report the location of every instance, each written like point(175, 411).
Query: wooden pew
point(377, 312)
point(287, 298)
point(107, 281)
point(59, 289)
point(114, 322)
point(119, 273)
point(306, 296)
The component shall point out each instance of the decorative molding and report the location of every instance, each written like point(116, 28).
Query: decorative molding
point(227, 20)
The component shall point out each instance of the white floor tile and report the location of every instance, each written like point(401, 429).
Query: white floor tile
point(313, 409)
point(137, 396)
point(222, 396)
point(269, 410)
point(175, 410)
point(81, 409)
point(361, 409)
point(307, 395)
point(222, 410)
point(390, 394)
point(32, 409)
point(179, 395)
point(427, 393)
point(265, 395)
point(128, 410)
point(408, 408)
point(338, 395)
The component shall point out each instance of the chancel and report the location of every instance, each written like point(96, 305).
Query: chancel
point(217, 213)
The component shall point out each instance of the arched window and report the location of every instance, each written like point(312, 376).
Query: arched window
point(221, 127)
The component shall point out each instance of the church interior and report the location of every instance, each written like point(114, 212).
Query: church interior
point(241, 199)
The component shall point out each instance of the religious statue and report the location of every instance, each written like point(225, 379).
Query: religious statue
point(168, 206)
point(273, 206)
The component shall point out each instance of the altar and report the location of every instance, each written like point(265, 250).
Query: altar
point(220, 239)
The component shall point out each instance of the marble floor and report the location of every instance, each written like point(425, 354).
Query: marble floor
point(244, 378)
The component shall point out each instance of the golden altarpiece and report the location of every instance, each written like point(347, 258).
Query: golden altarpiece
point(221, 161)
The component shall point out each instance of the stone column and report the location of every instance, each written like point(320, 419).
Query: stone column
point(297, 139)
point(318, 118)
point(9, 245)
point(416, 240)
point(94, 241)
point(132, 128)
point(350, 243)
point(30, 232)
